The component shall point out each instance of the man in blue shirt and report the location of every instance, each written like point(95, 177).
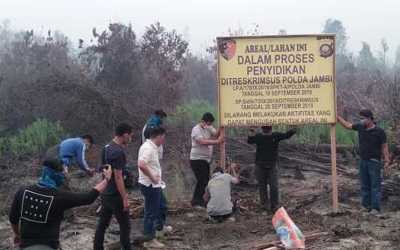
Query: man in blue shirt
point(155, 120)
point(74, 149)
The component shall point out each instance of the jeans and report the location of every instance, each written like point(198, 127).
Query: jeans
point(267, 175)
point(112, 205)
point(371, 180)
point(201, 170)
point(155, 210)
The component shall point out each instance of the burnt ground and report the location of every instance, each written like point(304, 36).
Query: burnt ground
point(305, 193)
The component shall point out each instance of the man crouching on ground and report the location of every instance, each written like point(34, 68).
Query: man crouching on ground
point(218, 194)
point(37, 211)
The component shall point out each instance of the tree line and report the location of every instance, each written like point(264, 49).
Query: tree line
point(119, 76)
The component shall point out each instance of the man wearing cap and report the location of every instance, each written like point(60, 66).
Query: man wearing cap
point(37, 210)
point(267, 144)
point(372, 146)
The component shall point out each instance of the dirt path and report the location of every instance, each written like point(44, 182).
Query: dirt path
point(305, 194)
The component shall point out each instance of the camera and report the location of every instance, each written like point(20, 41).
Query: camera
point(104, 167)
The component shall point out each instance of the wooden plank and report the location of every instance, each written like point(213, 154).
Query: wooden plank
point(222, 150)
point(335, 199)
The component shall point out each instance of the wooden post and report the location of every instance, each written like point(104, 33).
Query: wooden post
point(335, 201)
point(222, 150)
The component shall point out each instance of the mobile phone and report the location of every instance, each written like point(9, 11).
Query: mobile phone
point(104, 167)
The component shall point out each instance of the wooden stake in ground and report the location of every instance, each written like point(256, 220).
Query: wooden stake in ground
point(222, 150)
point(335, 201)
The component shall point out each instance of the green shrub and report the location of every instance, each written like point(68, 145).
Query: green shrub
point(191, 112)
point(319, 134)
point(34, 139)
point(188, 114)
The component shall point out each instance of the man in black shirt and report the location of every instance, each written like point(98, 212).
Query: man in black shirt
point(267, 144)
point(114, 200)
point(37, 211)
point(372, 144)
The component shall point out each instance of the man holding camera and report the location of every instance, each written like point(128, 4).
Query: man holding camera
point(37, 210)
point(114, 200)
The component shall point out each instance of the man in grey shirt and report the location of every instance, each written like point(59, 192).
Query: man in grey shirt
point(218, 194)
point(203, 136)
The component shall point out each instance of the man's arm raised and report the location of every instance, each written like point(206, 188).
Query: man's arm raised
point(344, 123)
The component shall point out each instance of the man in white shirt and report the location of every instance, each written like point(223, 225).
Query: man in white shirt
point(155, 120)
point(151, 185)
point(204, 136)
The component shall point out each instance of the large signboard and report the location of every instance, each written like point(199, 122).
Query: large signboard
point(276, 80)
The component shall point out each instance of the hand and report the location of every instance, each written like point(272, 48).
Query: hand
point(126, 203)
point(90, 172)
point(221, 139)
point(386, 169)
point(252, 131)
point(65, 170)
point(107, 171)
point(17, 240)
point(156, 179)
point(235, 167)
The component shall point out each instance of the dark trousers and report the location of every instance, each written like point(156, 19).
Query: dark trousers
point(371, 179)
point(221, 218)
point(267, 175)
point(38, 247)
point(201, 170)
point(112, 205)
point(155, 210)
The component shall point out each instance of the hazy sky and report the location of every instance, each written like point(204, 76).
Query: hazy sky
point(202, 20)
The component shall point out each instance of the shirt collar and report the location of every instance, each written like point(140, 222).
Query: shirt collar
point(216, 174)
point(152, 143)
point(371, 128)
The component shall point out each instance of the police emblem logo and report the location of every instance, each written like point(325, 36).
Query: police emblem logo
point(326, 50)
point(35, 207)
point(227, 48)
